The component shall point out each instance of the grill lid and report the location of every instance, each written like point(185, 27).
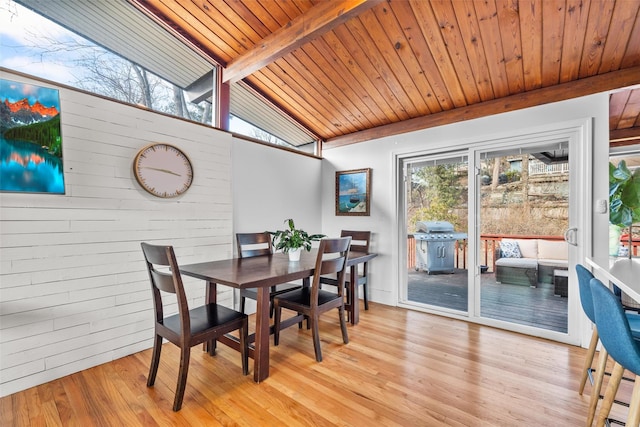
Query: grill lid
point(434, 227)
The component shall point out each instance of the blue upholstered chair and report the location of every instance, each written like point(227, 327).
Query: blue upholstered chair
point(618, 340)
point(586, 300)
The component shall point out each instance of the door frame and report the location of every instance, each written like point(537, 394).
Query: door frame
point(579, 134)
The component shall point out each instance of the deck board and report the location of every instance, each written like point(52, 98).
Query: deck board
point(512, 303)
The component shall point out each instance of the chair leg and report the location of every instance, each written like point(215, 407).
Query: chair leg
point(243, 302)
point(185, 354)
point(343, 325)
point(366, 298)
point(155, 361)
point(633, 419)
point(276, 323)
point(316, 336)
point(610, 394)
point(597, 385)
point(588, 361)
point(244, 351)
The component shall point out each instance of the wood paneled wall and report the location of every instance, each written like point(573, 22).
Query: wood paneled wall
point(74, 291)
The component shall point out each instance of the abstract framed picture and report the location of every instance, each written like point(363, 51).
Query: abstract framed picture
point(30, 139)
point(353, 192)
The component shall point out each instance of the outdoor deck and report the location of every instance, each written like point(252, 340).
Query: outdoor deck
point(513, 303)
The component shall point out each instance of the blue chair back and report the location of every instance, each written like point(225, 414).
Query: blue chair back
point(613, 327)
point(584, 280)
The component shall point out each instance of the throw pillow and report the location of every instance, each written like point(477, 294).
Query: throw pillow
point(510, 250)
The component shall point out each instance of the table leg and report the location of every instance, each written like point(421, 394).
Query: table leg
point(354, 303)
point(261, 352)
point(210, 296)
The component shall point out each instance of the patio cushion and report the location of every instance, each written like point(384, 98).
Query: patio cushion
point(552, 250)
point(517, 262)
point(510, 249)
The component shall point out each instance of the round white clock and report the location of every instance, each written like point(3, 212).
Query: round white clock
point(163, 170)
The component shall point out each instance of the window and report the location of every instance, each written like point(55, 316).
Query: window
point(35, 45)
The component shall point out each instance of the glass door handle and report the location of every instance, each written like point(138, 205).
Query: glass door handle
point(570, 236)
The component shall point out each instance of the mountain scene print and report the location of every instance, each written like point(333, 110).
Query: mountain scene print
point(30, 139)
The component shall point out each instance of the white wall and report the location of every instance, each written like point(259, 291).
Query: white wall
point(378, 155)
point(272, 185)
point(74, 291)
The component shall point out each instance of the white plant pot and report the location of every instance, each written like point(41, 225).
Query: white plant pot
point(294, 254)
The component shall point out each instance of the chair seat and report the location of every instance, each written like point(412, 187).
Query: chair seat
point(280, 289)
point(302, 296)
point(204, 318)
point(328, 280)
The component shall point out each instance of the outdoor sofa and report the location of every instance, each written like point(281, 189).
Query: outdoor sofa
point(530, 261)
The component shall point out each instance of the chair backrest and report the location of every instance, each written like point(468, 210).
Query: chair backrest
point(332, 258)
point(584, 286)
point(254, 244)
point(613, 327)
point(360, 240)
point(164, 275)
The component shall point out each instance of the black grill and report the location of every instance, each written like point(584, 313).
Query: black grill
point(435, 246)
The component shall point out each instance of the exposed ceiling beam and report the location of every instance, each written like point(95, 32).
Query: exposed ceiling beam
point(561, 92)
point(621, 137)
point(316, 21)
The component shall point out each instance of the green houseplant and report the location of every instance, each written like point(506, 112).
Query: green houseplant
point(624, 197)
point(292, 240)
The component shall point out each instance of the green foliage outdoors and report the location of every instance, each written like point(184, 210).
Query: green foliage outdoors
point(44, 134)
point(441, 193)
point(624, 195)
point(292, 238)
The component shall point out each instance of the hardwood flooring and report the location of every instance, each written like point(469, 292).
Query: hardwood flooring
point(401, 368)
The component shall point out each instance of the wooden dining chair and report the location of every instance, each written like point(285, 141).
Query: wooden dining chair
point(258, 244)
point(189, 327)
point(311, 302)
point(360, 241)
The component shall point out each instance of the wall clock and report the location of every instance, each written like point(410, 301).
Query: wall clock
point(163, 170)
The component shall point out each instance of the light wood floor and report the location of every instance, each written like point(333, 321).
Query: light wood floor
point(401, 368)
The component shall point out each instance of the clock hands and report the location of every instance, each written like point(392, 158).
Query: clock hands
point(161, 170)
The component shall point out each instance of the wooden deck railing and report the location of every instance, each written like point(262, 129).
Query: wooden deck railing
point(488, 245)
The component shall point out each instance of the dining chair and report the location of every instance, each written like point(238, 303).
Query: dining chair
point(189, 327)
point(617, 338)
point(586, 301)
point(360, 241)
point(258, 244)
point(312, 301)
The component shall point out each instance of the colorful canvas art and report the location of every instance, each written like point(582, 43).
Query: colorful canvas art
point(30, 139)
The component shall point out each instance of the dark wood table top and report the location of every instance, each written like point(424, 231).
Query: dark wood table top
point(262, 271)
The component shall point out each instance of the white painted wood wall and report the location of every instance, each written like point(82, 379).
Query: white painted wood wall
point(74, 291)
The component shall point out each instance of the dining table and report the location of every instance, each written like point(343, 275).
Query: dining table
point(623, 272)
point(262, 272)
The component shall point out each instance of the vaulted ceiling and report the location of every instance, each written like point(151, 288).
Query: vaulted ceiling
point(352, 70)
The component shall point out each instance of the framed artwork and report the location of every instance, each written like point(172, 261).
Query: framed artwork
point(30, 139)
point(353, 192)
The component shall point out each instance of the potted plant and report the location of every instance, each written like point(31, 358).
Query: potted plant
point(293, 240)
point(624, 198)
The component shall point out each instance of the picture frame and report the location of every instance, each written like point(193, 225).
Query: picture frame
point(353, 192)
point(30, 139)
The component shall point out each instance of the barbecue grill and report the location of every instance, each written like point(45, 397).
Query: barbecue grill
point(435, 246)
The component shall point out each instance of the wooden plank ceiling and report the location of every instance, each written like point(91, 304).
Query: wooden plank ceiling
point(352, 70)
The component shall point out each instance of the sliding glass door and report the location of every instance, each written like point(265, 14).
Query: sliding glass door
point(436, 195)
point(523, 214)
point(490, 233)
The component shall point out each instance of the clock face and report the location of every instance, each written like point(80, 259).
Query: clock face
point(163, 170)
